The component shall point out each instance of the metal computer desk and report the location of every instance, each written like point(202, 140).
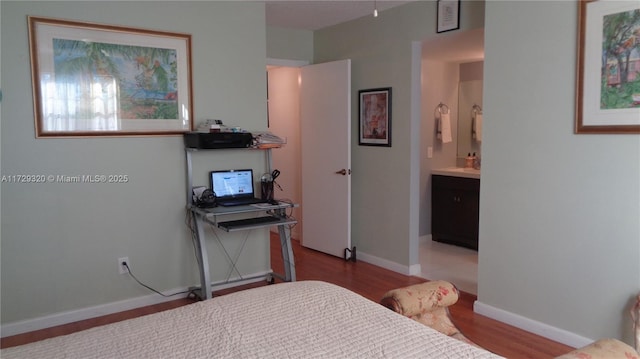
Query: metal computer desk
point(215, 217)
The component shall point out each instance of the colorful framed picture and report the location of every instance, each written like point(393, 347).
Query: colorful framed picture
point(448, 15)
point(608, 69)
point(375, 117)
point(103, 80)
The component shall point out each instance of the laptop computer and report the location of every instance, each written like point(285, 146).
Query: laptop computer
point(233, 187)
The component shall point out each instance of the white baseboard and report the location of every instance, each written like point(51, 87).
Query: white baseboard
point(425, 239)
point(415, 269)
point(71, 316)
point(236, 281)
point(387, 264)
point(541, 329)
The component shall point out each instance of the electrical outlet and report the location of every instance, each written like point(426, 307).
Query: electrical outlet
point(122, 268)
point(429, 152)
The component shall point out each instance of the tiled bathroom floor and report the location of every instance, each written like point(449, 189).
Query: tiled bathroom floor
point(458, 265)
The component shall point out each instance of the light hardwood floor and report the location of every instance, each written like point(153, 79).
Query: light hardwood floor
point(363, 278)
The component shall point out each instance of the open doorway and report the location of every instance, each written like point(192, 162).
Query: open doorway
point(283, 105)
point(311, 107)
point(446, 61)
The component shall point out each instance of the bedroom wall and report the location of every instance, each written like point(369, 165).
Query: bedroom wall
point(559, 233)
point(385, 183)
point(559, 229)
point(60, 242)
point(289, 44)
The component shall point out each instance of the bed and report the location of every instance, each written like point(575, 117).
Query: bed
point(305, 319)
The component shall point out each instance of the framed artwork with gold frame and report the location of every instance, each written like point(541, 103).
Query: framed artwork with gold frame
point(608, 68)
point(103, 80)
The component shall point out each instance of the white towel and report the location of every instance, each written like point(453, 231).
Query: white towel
point(478, 127)
point(445, 128)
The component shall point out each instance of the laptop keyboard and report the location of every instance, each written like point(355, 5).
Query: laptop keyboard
point(239, 202)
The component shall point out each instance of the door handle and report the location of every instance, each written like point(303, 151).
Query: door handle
point(343, 172)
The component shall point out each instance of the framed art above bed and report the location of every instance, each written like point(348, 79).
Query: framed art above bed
point(104, 80)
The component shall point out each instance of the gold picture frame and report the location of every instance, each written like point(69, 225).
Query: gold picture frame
point(608, 67)
point(103, 80)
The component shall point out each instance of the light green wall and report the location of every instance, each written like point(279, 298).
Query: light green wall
point(559, 235)
point(60, 242)
point(559, 212)
point(289, 44)
point(559, 230)
point(385, 192)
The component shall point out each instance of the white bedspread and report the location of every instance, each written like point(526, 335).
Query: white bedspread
point(306, 319)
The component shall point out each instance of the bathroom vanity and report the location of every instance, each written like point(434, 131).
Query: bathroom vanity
point(455, 206)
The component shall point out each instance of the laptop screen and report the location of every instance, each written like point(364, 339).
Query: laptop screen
point(232, 183)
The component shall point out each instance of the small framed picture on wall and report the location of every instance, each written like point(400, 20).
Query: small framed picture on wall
point(448, 15)
point(375, 117)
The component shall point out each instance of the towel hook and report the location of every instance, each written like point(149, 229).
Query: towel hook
point(476, 109)
point(442, 108)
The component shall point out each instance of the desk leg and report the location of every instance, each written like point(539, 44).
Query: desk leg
point(287, 254)
point(201, 249)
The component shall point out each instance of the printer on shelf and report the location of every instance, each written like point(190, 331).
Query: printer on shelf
point(210, 140)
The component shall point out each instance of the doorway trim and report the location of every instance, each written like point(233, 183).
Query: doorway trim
point(286, 63)
point(414, 176)
point(273, 64)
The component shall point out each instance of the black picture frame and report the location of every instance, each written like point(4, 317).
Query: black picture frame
point(374, 123)
point(448, 15)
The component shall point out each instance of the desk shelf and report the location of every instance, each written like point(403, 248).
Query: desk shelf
point(282, 222)
point(213, 215)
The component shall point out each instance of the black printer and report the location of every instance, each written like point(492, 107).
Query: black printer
point(204, 140)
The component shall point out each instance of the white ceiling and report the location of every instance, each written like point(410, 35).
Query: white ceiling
point(316, 14)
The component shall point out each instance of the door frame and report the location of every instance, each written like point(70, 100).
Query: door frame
point(286, 63)
point(290, 64)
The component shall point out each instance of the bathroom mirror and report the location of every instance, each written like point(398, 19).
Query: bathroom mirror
point(469, 94)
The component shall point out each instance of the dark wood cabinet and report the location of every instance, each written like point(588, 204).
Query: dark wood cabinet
point(455, 210)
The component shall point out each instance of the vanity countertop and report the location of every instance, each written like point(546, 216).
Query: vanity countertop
point(457, 172)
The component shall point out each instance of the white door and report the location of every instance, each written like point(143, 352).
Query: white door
point(325, 127)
